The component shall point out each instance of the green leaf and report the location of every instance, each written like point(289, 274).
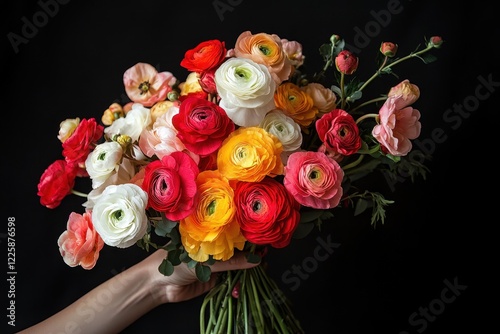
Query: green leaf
point(361, 206)
point(310, 215)
point(203, 272)
point(166, 268)
point(175, 236)
point(173, 257)
point(164, 227)
point(303, 230)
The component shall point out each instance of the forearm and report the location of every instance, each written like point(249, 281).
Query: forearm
point(110, 307)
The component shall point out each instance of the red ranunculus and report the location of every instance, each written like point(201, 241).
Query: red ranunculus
point(171, 185)
point(83, 140)
point(339, 132)
point(205, 56)
point(202, 125)
point(267, 212)
point(56, 182)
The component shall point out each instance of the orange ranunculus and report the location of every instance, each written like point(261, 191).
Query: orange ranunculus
point(249, 154)
point(212, 229)
point(265, 49)
point(296, 103)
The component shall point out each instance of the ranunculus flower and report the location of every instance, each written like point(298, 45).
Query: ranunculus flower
point(191, 86)
point(293, 51)
point(56, 182)
point(408, 93)
point(207, 82)
point(159, 108)
point(145, 85)
point(346, 62)
point(124, 174)
point(137, 119)
point(80, 244)
point(77, 147)
point(202, 125)
point(314, 179)
point(339, 132)
point(161, 139)
point(268, 214)
point(250, 154)
point(323, 98)
point(284, 128)
point(205, 56)
point(265, 49)
point(103, 161)
point(212, 229)
point(246, 90)
point(114, 111)
point(171, 185)
point(67, 127)
point(296, 103)
point(396, 126)
point(119, 215)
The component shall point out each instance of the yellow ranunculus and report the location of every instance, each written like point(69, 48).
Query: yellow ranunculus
point(212, 229)
point(249, 154)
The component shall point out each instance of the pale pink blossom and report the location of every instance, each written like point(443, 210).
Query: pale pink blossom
point(324, 99)
point(397, 126)
point(145, 85)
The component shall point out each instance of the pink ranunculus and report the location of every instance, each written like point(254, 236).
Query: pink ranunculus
point(80, 244)
point(408, 92)
point(346, 62)
point(397, 126)
point(267, 213)
point(202, 125)
point(171, 185)
point(314, 179)
point(77, 147)
point(145, 85)
point(339, 132)
point(56, 182)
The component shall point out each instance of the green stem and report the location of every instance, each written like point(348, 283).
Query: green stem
point(342, 90)
point(383, 98)
point(365, 117)
point(354, 163)
point(78, 193)
point(384, 67)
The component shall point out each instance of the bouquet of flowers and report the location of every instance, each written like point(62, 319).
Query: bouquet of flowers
point(247, 152)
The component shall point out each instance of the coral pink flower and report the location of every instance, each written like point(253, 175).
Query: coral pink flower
point(80, 244)
point(56, 183)
point(408, 92)
point(145, 85)
point(171, 185)
point(397, 126)
point(346, 62)
point(314, 179)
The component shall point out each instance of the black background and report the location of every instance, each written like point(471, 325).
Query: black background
point(438, 229)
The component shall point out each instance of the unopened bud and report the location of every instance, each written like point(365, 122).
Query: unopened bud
point(334, 39)
point(346, 62)
point(435, 42)
point(388, 49)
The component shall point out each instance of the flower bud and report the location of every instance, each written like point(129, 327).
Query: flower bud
point(388, 49)
point(123, 140)
point(435, 42)
point(334, 39)
point(346, 62)
point(111, 114)
point(173, 95)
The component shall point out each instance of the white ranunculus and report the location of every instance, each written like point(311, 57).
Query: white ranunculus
point(284, 127)
point(137, 119)
point(246, 90)
point(103, 162)
point(119, 215)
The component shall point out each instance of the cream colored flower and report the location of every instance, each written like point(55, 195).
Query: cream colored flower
point(246, 90)
point(67, 127)
point(103, 161)
point(119, 215)
point(137, 119)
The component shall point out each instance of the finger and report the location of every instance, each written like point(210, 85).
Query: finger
point(237, 261)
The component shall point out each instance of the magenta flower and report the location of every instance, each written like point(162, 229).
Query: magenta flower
point(314, 179)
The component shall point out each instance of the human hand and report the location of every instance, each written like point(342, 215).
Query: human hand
point(183, 284)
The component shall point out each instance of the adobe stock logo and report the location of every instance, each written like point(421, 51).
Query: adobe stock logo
point(419, 320)
point(30, 28)
point(222, 6)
